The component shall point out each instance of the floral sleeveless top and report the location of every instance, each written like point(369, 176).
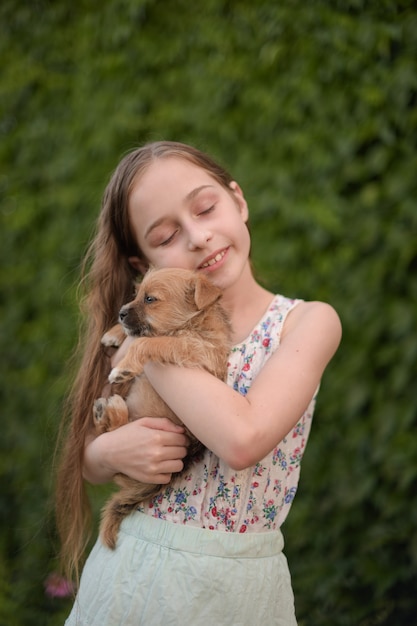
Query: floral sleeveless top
point(212, 495)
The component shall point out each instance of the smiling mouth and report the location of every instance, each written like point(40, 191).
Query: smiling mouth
point(214, 260)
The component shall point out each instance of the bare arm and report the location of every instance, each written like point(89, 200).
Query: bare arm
point(149, 450)
point(242, 430)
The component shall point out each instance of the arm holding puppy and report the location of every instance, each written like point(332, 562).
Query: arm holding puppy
point(243, 429)
point(149, 450)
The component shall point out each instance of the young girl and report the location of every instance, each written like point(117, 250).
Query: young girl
point(208, 548)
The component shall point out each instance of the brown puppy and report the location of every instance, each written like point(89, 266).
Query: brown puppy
point(177, 318)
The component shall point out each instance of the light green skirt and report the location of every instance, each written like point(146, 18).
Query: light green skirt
point(165, 574)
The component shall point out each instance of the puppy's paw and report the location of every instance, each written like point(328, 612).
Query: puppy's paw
point(110, 340)
point(120, 376)
point(99, 409)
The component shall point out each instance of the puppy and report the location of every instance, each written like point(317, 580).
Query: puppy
point(177, 318)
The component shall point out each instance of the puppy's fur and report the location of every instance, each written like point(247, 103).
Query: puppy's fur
point(177, 318)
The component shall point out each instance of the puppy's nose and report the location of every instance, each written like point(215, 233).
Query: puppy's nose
point(123, 313)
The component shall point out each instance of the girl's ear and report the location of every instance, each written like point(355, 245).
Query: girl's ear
point(138, 264)
point(240, 200)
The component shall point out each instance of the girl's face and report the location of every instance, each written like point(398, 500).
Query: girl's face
point(182, 217)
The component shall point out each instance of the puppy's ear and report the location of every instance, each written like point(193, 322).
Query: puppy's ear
point(205, 293)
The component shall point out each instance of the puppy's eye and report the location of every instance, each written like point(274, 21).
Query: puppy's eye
point(149, 299)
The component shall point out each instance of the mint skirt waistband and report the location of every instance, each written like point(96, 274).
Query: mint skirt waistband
point(165, 574)
point(203, 541)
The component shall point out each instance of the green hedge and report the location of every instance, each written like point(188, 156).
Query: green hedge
point(312, 105)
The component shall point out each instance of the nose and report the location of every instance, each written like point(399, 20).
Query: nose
point(129, 319)
point(123, 313)
point(198, 237)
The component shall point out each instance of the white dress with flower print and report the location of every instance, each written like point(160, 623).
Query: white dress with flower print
point(212, 495)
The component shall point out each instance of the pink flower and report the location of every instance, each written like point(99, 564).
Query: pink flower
point(56, 586)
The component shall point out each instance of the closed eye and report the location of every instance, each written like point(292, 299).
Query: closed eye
point(209, 210)
point(168, 240)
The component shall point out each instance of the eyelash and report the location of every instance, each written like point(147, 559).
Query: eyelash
point(167, 241)
point(210, 208)
point(171, 237)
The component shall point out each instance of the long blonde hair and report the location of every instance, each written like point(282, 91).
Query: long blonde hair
point(107, 282)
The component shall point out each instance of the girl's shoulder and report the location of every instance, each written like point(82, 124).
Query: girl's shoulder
point(312, 312)
point(318, 318)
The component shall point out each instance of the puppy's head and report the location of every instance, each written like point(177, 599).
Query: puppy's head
point(166, 301)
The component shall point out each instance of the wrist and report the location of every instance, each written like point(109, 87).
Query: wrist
point(98, 466)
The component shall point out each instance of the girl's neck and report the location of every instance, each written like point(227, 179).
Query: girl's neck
point(246, 305)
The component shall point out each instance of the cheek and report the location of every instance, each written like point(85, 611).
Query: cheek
point(168, 257)
point(244, 236)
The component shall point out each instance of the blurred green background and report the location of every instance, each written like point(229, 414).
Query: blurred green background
point(312, 106)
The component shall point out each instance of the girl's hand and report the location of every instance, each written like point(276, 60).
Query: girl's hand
point(121, 351)
point(149, 450)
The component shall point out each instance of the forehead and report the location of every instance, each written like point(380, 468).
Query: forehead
point(167, 177)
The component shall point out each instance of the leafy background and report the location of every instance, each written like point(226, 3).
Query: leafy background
point(312, 106)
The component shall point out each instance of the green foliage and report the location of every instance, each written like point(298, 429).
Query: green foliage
point(313, 108)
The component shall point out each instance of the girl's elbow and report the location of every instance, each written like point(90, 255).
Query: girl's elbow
point(241, 455)
point(239, 464)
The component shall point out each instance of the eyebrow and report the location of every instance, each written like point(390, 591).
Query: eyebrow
point(188, 198)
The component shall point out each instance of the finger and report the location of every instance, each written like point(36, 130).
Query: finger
point(152, 479)
point(164, 472)
point(172, 440)
point(164, 479)
point(168, 463)
point(161, 423)
point(170, 467)
point(159, 458)
point(174, 453)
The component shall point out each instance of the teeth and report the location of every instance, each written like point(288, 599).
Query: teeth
point(216, 259)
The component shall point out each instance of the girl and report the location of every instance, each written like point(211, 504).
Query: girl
point(208, 548)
